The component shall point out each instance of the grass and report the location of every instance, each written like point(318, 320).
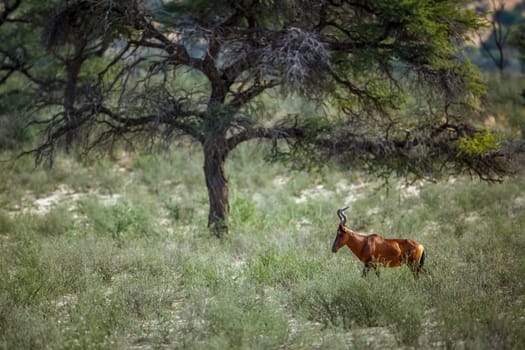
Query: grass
point(124, 260)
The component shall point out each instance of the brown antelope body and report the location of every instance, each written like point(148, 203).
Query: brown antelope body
point(374, 250)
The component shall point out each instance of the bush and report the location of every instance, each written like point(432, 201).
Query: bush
point(119, 221)
point(239, 317)
point(342, 299)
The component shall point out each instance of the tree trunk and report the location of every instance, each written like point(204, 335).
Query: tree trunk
point(215, 152)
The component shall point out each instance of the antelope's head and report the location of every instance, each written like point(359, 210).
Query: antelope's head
point(342, 235)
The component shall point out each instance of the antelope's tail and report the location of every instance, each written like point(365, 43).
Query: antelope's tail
point(421, 256)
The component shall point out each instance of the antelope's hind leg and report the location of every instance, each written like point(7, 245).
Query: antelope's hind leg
point(417, 266)
point(365, 271)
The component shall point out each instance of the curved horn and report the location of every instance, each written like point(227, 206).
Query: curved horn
point(342, 216)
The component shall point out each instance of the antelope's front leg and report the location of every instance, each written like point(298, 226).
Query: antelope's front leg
point(369, 265)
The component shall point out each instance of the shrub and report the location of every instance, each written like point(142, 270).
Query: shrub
point(119, 221)
point(239, 317)
point(344, 300)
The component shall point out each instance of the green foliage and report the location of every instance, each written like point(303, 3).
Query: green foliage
point(478, 145)
point(12, 133)
point(119, 221)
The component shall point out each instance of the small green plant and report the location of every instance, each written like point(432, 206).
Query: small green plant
point(179, 212)
point(118, 221)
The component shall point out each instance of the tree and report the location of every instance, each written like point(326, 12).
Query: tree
point(123, 65)
point(501, 23)
point(14, 61)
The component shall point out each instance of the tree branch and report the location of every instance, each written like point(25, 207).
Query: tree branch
point(7, 10)
point(242, 97)
point(275, 133)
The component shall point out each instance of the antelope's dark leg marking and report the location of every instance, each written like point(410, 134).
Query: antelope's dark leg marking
point(369, 265)
point(422, 261)
point(365, 271)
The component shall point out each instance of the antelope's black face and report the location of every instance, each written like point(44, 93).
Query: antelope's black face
point(340, 239)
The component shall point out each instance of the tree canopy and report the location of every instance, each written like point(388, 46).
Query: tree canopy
point(394, 92)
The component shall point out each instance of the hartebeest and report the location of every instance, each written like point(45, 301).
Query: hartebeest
point(374, 250)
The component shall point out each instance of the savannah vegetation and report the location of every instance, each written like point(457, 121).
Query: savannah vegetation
point(135, 229)
point(122, 261)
